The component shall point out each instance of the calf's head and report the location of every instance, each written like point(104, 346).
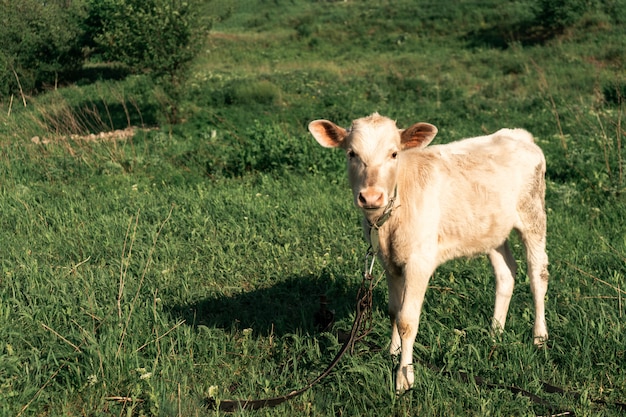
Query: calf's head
point(373, 147)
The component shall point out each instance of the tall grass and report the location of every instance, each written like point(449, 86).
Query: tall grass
point(141, 276)
point(81, 111)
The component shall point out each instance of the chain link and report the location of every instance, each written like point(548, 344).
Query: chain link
point(365, 296)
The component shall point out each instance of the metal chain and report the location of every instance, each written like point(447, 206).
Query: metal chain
point(365, 299)
point(362, 325)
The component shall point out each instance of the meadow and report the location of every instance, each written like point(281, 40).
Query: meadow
point(143, 274)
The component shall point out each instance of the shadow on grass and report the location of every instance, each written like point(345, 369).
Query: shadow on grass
point(100, 116)
point(91, 73)
point(502, 35)
point(290, 306)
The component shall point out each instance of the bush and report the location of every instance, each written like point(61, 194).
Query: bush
point(45, 43)
point(213, 147)
point(614, 92)
point(40, 42)
point(156, 36)
point(559, 14)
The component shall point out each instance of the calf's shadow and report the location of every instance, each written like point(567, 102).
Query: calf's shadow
point(289, 306)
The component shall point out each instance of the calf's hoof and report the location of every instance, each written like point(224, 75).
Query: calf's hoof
point(540, 341)
point(404, 378)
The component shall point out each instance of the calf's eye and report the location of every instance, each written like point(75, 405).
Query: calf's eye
point(394, 155)
point(351, 153)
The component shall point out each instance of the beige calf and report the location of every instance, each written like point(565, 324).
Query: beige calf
point(432, 204)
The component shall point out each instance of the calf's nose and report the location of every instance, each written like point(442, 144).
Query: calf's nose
point(371, 198)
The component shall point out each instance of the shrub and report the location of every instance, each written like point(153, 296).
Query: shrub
point(40, 42)
point(614, 92)
point(557, 15)
point(157, 36)
point(213, 147)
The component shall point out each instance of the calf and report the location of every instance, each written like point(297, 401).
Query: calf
point(432, 204)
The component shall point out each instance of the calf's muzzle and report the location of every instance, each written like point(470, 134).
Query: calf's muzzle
point(371, 198)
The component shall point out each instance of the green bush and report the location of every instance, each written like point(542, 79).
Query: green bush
point(220, 151)
point(559, 14)
point(46, 43)
point(157, 36)
point(40, 41)
point(614, 92)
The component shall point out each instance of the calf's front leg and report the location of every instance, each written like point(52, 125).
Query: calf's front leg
point(395, 284)
point(407, 294)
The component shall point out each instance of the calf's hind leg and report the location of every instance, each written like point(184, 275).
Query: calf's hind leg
point(504, 268)
point(533, 233)
point(537, 260)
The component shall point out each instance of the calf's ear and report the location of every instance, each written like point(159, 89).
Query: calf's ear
point(418, 136)
point(327, 134)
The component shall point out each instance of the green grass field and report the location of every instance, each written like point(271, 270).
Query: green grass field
point(142, 275)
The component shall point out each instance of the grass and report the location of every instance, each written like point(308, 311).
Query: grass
point(141, 275)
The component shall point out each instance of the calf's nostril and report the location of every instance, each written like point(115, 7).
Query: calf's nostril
point(370, 198)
